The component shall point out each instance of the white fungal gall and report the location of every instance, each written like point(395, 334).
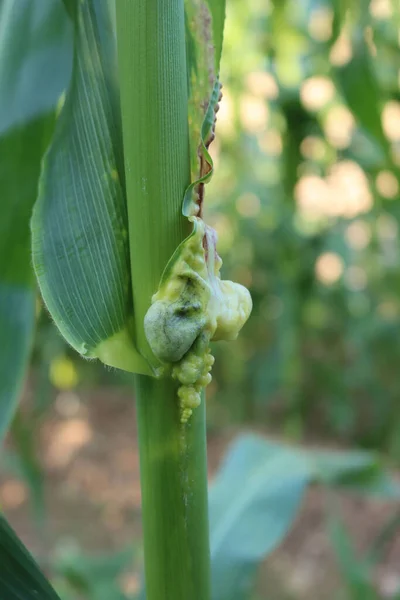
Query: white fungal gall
point(234, 308)
point(192, 307)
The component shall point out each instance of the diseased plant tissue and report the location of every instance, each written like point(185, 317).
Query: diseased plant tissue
point(192, 307)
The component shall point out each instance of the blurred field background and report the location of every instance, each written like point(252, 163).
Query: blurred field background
point(305, 200)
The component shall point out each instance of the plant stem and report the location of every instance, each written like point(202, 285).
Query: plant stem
point(174, 494)
point(152, 70)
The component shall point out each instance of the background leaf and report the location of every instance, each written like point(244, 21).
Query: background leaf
point(33, 73)
point(355, 572)
point(20, 577)
point(358, 73)
point(95, 577)
point(252, 505)
point(32, 77)
point(256, 497)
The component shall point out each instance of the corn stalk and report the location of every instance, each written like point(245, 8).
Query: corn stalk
point(152, 63)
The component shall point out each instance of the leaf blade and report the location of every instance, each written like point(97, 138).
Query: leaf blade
point(217, 8)
point(255, 499)
point(32, 74)
point(20, 576)
point(17, 318)
point(26, 123)
point(79, 224)
point(204, 23)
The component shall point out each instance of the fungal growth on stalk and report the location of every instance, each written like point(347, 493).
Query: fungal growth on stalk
point(193, 306)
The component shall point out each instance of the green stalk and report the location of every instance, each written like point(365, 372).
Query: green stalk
point(152, 70)
point(173, 468)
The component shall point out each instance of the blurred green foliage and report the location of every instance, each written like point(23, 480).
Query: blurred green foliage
point(306, 202)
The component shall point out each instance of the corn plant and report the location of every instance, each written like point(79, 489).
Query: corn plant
point(125, 264)
point(107, 112)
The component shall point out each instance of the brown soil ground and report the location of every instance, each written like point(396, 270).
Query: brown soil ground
point(88, 450)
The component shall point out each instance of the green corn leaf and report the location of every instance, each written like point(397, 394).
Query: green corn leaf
point(16, 326)
point(35, 59)
point(355, 572)
point(218, 19)
point(340, 9)
point(20, 576)
point(24, 459)
point(256, 496)
point(204, 35)
point(252, 505)
point(192, 201)
point(361, 92)
point(21, 151)
point(79, 225)
point(95, 577)
point(32, 76)
point(357, 78)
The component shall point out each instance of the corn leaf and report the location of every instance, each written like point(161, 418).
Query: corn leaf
point(32, 76)
point(96, 577)
point(20, 576)
point(79, 225)
point(24, 461)
point(354, 77)
point(218, 19)
point(204, 34)
point(35, 59)
point(257, 494)
point(357, 78)
point(355, 572)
